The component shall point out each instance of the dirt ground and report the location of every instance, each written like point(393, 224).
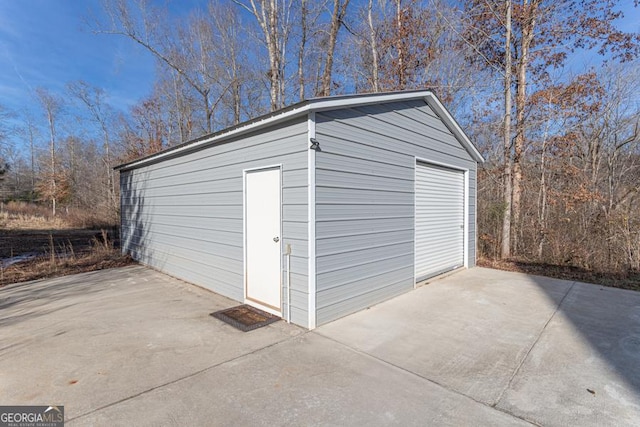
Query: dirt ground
point(79, 250)
point(75, 251)
point(19, 242)
point(629, 280)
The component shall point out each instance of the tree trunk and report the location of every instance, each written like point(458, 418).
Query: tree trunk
point(527, 27)
point(336, 21)
point(274, 62)
point(111, 190)
point(506, 219)
point(542, 200)
point(375, 80)
point(402, 80)
point(237, 101)
point(303, 43)
point(183, 123)
point(33, 162)
point(208, 109)
point(52, 153)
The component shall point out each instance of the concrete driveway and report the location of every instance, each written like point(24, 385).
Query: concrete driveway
point(132, 346)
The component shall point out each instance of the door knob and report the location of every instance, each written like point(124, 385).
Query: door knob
point(276, 239)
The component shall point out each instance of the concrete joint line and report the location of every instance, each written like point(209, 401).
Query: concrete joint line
point(177, 380)
point(365, 354)
point(535, 342)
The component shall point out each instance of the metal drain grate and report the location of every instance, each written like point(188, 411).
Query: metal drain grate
point(245, 317)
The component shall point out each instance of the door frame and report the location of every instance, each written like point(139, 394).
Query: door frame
point(273, 310)
point(465, 225)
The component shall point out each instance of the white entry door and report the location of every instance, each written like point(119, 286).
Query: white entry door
point(262, 240)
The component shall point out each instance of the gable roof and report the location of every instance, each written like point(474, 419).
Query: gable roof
point(304, 108)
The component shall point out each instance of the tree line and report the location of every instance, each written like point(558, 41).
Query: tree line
point(562, 178)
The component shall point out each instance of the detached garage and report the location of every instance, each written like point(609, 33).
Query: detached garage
point(311, 212)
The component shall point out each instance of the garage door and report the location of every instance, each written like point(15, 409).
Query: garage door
point(439, 220)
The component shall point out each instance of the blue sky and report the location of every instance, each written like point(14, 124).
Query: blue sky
point(47, 43)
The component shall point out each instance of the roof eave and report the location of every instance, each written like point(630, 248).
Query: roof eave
point(241, 129)
point(315, 105)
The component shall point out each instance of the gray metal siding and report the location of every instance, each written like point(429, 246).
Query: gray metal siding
point(365, 200)
point(184, 215)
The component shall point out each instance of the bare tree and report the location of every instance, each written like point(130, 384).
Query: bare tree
point(273, 18)
point(304, 12)
point(29, 131)
point(528, 23)
point(337, 16)
point(232, 63)
point(189, 59)
point(542, 34)
point(373, 44)
point(5, 115)
point(506, 129)
point(93, 99)
point(52, 106)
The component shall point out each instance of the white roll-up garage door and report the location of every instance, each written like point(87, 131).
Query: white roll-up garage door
point(439, 220)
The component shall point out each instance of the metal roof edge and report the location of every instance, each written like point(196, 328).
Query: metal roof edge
point(248, 126)
point(304, 107)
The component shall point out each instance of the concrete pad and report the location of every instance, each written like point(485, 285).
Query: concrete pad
point(308, 380)
point(88, 340)
point(469, 331)
point(593, 343)
point(480, 347)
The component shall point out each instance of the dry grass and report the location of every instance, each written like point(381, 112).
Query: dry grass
point(13, 221)
point(30, 216)
point(629, 280)
point(46, 267)
point(72, 242)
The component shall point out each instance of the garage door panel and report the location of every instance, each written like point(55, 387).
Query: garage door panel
point(438, 248)
point(439, 217)
point(442, 232)
point(438, 252)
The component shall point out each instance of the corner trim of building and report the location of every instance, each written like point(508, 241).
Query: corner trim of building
point(466, 218)
point(311, 208)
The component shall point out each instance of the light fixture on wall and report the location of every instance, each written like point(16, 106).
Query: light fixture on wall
point(315, 145)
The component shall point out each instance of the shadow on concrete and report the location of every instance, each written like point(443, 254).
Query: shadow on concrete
point(608, 320)
point(28, 300)
point(584, 367)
